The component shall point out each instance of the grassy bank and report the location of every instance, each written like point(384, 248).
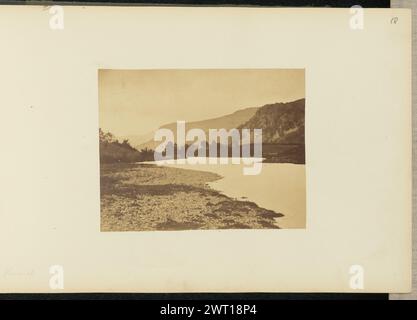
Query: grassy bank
point(140, 197)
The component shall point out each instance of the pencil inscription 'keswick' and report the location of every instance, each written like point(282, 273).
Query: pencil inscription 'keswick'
point(240, 147)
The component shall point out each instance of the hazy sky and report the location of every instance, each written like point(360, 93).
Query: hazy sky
point(135, 102)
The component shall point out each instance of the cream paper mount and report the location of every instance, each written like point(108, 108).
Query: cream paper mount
point(75, 219)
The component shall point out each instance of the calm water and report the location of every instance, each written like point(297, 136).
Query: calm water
point(279, 187)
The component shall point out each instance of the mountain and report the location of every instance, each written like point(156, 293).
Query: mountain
point(230, 121)
point(282, 127)
point(281, 123)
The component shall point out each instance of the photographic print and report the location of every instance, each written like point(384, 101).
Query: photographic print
point(202, 149)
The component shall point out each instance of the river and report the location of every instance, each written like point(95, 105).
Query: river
point(280, 187)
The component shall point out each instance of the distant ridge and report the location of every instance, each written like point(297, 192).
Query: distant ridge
point(229, 121)
point(281, 123)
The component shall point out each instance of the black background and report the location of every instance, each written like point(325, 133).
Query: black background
point(266, 3)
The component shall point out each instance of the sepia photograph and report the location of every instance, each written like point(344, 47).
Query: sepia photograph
point(202, 149)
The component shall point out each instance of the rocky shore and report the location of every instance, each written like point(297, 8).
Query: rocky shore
point(145, 197)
